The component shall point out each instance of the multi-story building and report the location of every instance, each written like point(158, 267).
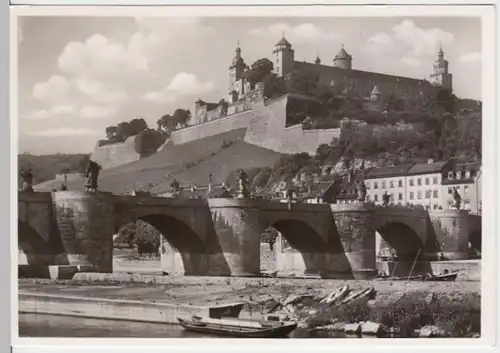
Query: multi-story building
point(466, 179)
point(413, 183)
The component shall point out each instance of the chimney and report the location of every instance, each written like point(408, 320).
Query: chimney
point(430, 161)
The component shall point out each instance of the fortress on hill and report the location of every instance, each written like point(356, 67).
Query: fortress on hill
point(267, 122)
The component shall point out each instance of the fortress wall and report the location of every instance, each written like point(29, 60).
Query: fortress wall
point(211, 128)
point(267, 130)
point(112, 155)
point(363, 82)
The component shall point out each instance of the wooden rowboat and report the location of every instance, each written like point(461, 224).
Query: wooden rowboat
point(238, 327)
point(448, 277)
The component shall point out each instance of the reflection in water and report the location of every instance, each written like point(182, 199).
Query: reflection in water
point(35, 325)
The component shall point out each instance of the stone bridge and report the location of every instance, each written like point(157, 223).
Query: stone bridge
point(221, 237)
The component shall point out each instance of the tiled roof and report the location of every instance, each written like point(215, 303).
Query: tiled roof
point(385, 172)
point(427, 168)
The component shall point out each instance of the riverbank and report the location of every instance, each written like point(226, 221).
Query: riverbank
point(132, 297)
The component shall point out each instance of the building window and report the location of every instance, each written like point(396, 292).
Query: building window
point(375, 197)
point(427, 194)
point(435, 206)
point(467, 174)
point(419, 195)
point(375, 185)
point(391, 184)
point(435, 194)
point(419, 181)
point(400, 196)
point(383, 184)
point(427, 181)
point(400, 183)
point(367, 185)
point(367, 197)
point(411, 195)
point(411, 182)
point(450, 175)
point(466, 189)
point(435, 180)
point(459, 175)
point(450, 190)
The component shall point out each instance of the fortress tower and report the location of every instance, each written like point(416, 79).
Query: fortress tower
point(440, 76)
point(342, 60)
point(236, 86)
point(283, 55)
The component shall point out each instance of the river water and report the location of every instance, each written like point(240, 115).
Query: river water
point(36, 325)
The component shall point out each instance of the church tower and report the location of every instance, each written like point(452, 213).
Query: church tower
point(283, 55)
point(342, 59)
point(440, 76)
point(235, 75)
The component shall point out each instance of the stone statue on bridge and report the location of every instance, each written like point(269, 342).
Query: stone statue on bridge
point(243, 183)
point(27, 175)
point(361, 188)
point(92, 174)
point(176, 187)
point(457, 198)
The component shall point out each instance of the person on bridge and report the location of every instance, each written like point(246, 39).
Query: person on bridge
point(27, 185)
point(92, 174)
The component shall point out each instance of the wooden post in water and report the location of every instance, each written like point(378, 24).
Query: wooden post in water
point(414, 263)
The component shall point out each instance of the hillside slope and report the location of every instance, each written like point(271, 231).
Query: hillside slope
point(190, 163)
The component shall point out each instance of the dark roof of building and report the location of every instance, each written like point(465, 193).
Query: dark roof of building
point(428, 168)
point(283, 41)
point(386, 172)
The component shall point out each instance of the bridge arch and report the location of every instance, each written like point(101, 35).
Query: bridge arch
point(300, 248)
point(401, 248)
point(181, 249)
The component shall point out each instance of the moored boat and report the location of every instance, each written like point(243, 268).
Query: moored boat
point(238, 327)
point(449, 277)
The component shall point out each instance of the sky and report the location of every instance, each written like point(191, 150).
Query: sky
point(78, 75)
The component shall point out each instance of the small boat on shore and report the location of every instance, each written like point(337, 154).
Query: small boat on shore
point(336, 295)
point(238, 327)
point(362, 293)
point(447, 277)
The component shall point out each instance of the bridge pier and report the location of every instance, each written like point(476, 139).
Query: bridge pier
point(85, 224)
point(238, 230)
point(451, 231)
point(354, 223)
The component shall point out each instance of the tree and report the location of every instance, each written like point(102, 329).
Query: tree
point(111, 132)
point(181, 117)
point(303, 81)
point(261, 70)
point(269, 236)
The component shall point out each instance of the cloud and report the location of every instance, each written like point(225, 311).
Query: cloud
point(64, 132)
point(183, 84)
point(420, 40)
point(304, 32)
point(409, 41)
point(56, 87)
point(58, 110)
point(470, 57)
point(98, 112)
point(97, 91)
point(100, 56)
